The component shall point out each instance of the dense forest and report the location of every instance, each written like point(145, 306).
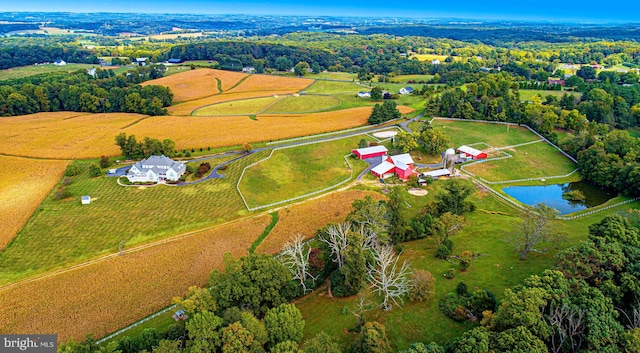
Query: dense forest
point(14, 56)
point(81, 92)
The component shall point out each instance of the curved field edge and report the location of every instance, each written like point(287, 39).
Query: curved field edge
point(51, 135)
point(122, 289)
point(293, 173)
point(24, 183)
point(196, 84)
point(289, 104)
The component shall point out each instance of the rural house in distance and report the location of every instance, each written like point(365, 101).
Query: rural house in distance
point(156, 169)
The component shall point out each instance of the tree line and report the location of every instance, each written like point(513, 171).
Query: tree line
point(17, 55)
point(82, 92)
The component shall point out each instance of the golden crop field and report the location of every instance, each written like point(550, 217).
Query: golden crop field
point(255, 86)
point(107, 295)
point(71, 135)
point(195, 132)
point(195, 84)
point(64, 135)
point(187, 108)
point(305, 218)
point(272, 83)
point(24, 183)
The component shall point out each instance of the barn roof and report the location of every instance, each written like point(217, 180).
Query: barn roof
point(437, 173)
point(469, 150)
point(402, 158)
point(372, 149)
point(383, 168)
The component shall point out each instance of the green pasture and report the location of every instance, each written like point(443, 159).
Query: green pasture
point(26, 71)
point(302, 104)
point(531, 161)
point(497, 267)
point(527, 94)
point(66, 232)
point(322, 95)
point(407, 78)
point(272, 105)
point(300, 170)
point(238, 107)
point(496, 135)
point(337, 76)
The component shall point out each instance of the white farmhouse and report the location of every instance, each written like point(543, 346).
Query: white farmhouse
point(156, 169)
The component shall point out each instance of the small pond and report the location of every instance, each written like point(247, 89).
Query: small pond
point(551, 195)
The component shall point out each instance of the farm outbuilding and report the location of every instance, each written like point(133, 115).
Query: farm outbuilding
point(384, 170)
point(370, 152)
point(467, 151)
point(85, 200)
point(435, 174)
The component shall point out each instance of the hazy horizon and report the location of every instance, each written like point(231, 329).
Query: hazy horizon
point(545, 10)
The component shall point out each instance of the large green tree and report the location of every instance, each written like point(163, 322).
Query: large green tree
point(284, 323)
point(255, 282)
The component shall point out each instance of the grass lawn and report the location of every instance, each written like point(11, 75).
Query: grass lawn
point(406, 78)
point(302, 104)
point(530, 161)
point(497, 135)
point(634, 131)
point(272, 105)
point(26, 71)
point(300, 170)
point(497, 268)
point(238, 107)
point(337, 76)
point(526, 94)
point(66, 232)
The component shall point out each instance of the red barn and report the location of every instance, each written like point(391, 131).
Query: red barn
point(383, 170)
point(471, 152)
point(370, 152)
point(404, 171)
point(401, 165)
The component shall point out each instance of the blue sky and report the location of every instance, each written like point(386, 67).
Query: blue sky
point(553, 10)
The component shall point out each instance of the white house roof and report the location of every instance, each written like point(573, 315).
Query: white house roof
point(437, 173)
point(469, 150)
point(158, 164)
point(402, 158)
point(401, 166)
point(372, 149)
point(383, 168)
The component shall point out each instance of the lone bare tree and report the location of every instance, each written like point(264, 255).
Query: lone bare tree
point(535, 232)
point(387, 278)
point(296, 258)
point(335, 236)
point(568, 325)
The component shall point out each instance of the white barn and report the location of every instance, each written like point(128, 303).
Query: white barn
point(156, 169)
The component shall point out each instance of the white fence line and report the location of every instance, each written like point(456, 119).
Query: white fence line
point(307, 194)
point(119, 332)
point(513, 124)
point(355, 129)
point(598, 210)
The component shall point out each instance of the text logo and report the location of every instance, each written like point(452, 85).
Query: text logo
point(28, 343)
